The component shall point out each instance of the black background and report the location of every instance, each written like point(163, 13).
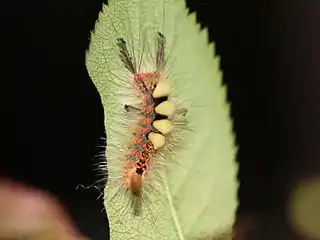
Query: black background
point(270, 58)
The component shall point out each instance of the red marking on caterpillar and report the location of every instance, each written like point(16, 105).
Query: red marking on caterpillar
point(145, 76)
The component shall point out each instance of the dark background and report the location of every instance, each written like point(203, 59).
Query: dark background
point(270, 57)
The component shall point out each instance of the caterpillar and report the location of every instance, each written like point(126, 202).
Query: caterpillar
point(160, 98)
point(154, 124)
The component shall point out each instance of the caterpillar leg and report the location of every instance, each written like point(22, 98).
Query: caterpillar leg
point(130, 108)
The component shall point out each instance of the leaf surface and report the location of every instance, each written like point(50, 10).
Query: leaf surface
point(197, 195)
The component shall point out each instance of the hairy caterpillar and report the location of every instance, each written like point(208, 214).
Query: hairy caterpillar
point(161, 98)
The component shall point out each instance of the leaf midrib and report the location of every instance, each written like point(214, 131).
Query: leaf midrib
point(173, 212)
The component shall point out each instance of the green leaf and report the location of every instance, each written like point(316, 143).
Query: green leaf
point(196, 190)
